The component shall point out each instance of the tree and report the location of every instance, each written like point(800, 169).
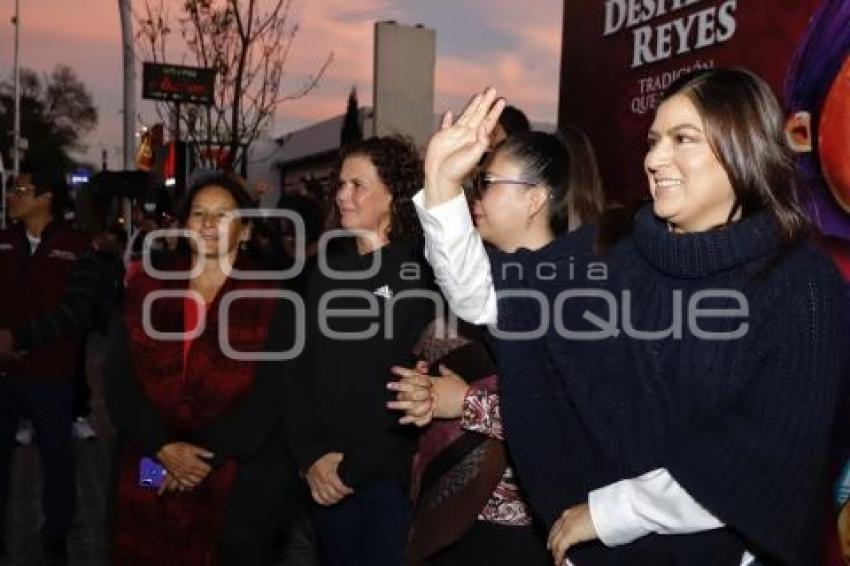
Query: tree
point(248, 43)
point(57, 112)
point(351, 130)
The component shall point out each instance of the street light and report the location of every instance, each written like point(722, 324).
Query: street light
point(3, 182)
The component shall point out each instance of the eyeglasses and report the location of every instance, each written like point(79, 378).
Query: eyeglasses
point(482, 183)
point(20, 191)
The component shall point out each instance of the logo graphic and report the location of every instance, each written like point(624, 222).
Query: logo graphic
point(384, 291)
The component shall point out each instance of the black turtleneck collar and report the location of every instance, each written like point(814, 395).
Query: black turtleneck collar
point(701, 254)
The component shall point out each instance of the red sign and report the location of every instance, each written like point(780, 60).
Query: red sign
point(218, 156)
point(619, 56)
point(175, 83)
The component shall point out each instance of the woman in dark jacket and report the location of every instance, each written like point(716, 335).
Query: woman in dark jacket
point(366, 304)
point(203, 475)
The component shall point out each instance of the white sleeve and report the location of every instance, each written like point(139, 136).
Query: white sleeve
point(456, 253)
point(652, 503)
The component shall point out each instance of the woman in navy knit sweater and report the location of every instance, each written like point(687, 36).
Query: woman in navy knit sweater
point(673, 396)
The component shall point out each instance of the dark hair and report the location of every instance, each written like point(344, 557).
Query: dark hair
point(513, 121)
point(744, 127)
point(51, 181)
point(311, 212)
point(585, 183)
point(400, 169)
point(230, 182)
point(545, 159)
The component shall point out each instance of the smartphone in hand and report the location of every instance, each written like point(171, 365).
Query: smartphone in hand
point(151, 473)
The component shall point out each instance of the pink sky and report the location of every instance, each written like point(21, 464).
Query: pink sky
point(514, 46)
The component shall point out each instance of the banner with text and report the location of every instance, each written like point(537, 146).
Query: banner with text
point(618, 56)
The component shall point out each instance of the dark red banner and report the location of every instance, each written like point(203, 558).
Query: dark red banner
point(619, 55)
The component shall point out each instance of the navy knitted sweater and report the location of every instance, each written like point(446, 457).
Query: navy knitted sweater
point(712, 355)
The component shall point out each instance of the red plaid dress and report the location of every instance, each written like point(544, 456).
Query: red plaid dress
point(190, 385)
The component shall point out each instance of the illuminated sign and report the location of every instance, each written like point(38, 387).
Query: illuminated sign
point(175, 83)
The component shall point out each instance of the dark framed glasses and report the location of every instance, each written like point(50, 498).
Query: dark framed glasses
point(483, 182)
point(21, 190)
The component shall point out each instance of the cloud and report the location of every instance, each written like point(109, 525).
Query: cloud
point(510, 45)
point(346, 29)
point(520, 58)
point(479, 42)
point(87, 39)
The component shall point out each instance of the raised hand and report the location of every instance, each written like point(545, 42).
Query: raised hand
point(456, 148)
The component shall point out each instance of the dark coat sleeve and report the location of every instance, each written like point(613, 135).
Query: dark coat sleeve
point(296, 396)
point(74, 314)
point(133, 415)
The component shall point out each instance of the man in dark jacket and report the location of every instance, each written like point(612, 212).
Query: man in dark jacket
point(47, 279)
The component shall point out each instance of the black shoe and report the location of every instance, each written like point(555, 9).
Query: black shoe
point(55, 550)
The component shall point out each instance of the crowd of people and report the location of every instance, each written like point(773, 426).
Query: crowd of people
point(469, 357)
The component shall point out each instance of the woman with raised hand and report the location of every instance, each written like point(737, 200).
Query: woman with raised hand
point(204, 475)
point(521, 197)
point(678, 378)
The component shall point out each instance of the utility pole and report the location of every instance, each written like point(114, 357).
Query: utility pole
point(3, 181)
point(16, 135)
point(16, 128)
point(125, 10)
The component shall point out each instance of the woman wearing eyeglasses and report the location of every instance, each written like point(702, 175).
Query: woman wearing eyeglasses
point(642, 432)
point(520, 199)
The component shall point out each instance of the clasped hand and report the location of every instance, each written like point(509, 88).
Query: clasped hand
point(186, 464)
point(422, 398)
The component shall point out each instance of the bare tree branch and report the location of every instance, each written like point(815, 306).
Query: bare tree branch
point(248, 43)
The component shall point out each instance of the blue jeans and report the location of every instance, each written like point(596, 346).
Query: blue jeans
point(48, 404)
point(368, 528)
